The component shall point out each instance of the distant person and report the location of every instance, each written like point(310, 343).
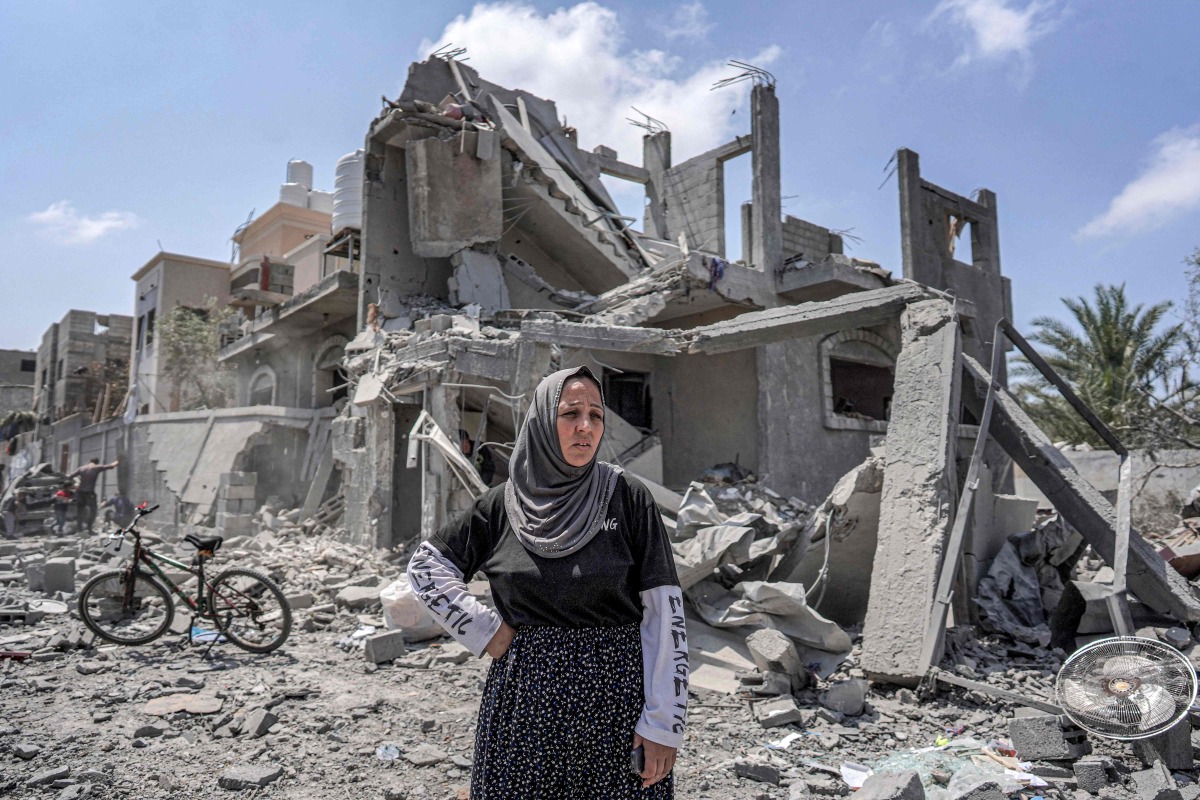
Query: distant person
point(85, 493)
point(480, 457)
point(62, 503)
point(118, 510)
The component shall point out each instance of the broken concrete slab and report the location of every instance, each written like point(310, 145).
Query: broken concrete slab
point(250, 776)
point(1172, 747)
point(1149, 577)
point(454, 197)
point(780, 711)
point(918, 499)
point(773, 652)
point(892, 786)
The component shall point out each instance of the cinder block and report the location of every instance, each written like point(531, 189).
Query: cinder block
point(1173, 748)
point(1043, 738)
point(234, 524)
point(239, 478)
point(387, 646)
point(243, 492)
point(1093, 774)
point(60, 576)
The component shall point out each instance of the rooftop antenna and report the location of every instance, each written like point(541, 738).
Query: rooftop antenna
point(749, 72)
point(649, 123)
point(233, 253)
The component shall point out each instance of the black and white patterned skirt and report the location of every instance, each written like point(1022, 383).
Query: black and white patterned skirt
point(557, 718)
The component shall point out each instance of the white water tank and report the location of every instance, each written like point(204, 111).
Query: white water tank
point(294, 194)
point(300, 172)
point(348, 191)
point(320, 201)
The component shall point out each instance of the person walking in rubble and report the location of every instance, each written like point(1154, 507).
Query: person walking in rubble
point(62, 503)
point(85, 493)
point(590, 664)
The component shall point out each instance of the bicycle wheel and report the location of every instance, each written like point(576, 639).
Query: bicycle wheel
point(250, 609)
point(123, 617)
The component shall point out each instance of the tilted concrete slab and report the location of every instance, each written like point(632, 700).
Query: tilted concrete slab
point(1149, 577)
point(602, 337)
point(919, 494)
point(857, 310)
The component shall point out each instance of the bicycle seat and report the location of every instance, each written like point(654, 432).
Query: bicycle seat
point(212, 543)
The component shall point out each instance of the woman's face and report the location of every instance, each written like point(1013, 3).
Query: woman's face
point(580, 421)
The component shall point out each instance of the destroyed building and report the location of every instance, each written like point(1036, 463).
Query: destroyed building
point(492, 253)
point(18, 369)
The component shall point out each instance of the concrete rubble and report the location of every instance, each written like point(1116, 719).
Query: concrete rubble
point(803, 420)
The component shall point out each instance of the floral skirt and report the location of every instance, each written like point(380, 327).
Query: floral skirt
point(557, 718)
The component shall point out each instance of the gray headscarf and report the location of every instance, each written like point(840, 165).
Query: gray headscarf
point(555, 508)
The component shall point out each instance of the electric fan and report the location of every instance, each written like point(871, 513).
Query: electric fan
point(1126, 687)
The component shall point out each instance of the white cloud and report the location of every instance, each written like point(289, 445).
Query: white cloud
point(1168, 187)
point(997, 31)
point(60, 221)
point(689, 21)
point(579, 58)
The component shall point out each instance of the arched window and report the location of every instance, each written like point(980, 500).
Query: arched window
point(262, 387)
point(859, 370)
point(330, 378)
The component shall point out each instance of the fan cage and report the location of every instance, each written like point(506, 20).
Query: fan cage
point(1126, 687)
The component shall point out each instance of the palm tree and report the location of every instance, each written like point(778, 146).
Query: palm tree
point(1115, 363)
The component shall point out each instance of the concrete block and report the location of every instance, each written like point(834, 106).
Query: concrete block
point(1173, 747)
point(1093, 774)
point(773, 713)
point(1042, 738)
point(772, 651)
point(756, 771)
point(59, 575)
point(300, 600)
point(358, 597)
point(1155, 783)
point(238, 492)
point(35, 577)
point(892, 786)
point(258, 722)
point(846, 697)
point(984, 790)
point(387, 646)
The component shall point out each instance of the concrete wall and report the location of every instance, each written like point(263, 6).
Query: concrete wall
point(1162, 481)
point(808, 239)
point(15, 398)
point(18, 367)
point(79, 340)
point(695, 203)
point(293, 368)
point(705, 412)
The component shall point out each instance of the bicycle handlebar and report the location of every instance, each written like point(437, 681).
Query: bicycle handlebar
point(143, 510)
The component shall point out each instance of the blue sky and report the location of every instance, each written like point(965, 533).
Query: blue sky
point(128, 125)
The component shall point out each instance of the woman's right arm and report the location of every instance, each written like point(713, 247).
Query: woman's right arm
point(440, 585)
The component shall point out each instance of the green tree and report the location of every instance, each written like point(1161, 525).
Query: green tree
point(190, 339)
point(1116, 360)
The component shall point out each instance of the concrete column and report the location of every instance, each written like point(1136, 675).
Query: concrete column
point(748, 233)
point(376, 480)
point(908, 172)
point(656, 158)
point(919, 494)
point(767, 193)
point(985, 236)
point(442, 404)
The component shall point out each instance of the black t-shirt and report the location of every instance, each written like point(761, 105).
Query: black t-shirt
point(596, 586)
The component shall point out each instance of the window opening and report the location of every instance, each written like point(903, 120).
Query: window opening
point(630, 198)
point(28, 365)
point(262, 391)
point(861, 391)
point(737, 187)
point(149, 327)
point(958, 238)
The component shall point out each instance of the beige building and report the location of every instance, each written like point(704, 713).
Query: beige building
point(165, 281)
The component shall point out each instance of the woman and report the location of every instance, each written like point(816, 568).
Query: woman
point(590, 662)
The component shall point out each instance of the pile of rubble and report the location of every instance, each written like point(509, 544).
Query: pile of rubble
point(28, 501)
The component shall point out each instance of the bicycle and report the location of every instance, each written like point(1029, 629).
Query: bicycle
point(132, 606)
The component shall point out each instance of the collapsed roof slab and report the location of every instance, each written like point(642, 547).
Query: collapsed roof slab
point(656, 341)
point(856, 310)
point(917, 504)
point(1149, 577)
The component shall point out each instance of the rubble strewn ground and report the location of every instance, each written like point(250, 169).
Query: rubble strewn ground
point(318, 719)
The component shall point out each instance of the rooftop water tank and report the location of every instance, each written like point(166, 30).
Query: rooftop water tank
point(294, 194)
point(320, 201)
point(348, 192)
point(300, 172)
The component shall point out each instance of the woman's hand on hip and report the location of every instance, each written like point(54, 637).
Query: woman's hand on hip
point(503, 637)
point(660, 760)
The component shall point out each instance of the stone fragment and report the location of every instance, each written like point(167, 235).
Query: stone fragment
point(300, 600)
point(25, 752)
point(250, 776)
point(424, 755)
point(1041, 738)
point(258, 722)
point(148, 732)
point(453, 653)
point(1093, 774)
point(49, 776)
point(386, 646)
point(846, 697)
point(773, 713)
point(358, 597)
point(173, 703)
point(983, 790)
point(1179, 638)
point(756, 771)
point(892, 786)
point(773, 652)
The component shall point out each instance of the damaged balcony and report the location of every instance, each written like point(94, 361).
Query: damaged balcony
point(330, 300)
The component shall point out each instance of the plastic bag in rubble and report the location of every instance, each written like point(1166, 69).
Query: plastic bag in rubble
point(402, 610)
